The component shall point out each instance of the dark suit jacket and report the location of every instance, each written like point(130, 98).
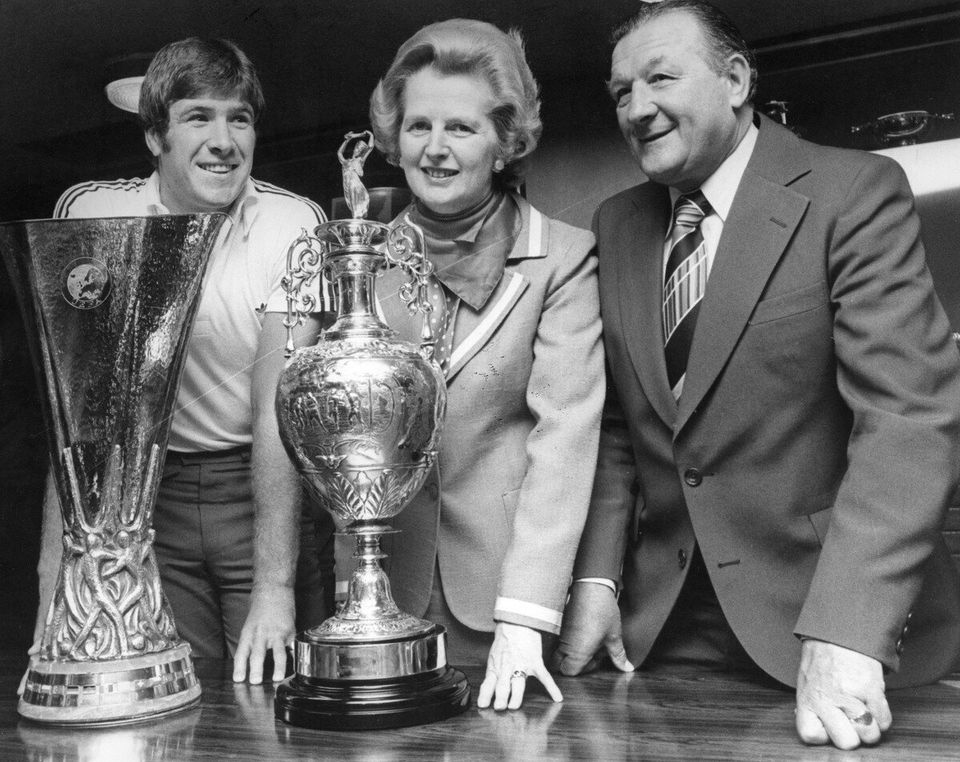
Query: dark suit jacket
point(814, 450)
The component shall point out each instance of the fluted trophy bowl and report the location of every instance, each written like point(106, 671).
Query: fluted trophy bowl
point(361, 414)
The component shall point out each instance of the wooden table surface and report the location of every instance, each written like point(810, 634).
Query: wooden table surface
point(604, 716)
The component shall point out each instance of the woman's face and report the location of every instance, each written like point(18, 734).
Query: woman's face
point(448, 143)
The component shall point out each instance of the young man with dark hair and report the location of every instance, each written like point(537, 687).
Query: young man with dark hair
point(228, 518)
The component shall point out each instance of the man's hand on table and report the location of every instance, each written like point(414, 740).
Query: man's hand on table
point(591, 619)
point(269, 627)
point(840, 696)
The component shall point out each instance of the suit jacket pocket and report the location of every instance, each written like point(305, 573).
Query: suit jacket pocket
point(510, 500)
point(791, 303)
point(635, 523)
point(821, 522)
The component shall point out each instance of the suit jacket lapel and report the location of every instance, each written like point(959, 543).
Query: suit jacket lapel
point(762, 220)
point(474, 329)
point(639, 274)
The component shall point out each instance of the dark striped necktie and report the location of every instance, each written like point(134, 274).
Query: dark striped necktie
point(685, 280)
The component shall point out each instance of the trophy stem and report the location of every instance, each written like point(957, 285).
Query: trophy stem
point(370, 613)
point(368, 593)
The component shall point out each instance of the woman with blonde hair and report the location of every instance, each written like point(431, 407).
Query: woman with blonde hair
point(488, 543)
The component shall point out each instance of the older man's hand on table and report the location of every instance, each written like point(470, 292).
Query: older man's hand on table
point(840, 696)
point(591, 620)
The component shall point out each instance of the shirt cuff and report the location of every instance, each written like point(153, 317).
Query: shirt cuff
point(600, 581)
point(533, 615)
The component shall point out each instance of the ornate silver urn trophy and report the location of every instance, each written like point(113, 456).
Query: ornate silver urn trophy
point(107, 305)
point(361, 414)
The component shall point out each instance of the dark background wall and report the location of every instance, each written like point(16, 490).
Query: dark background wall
point(836, 64)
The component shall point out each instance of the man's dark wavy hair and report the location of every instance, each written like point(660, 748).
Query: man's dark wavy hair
point(191, 68)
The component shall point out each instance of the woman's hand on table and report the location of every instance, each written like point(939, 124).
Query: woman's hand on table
point(516, 654)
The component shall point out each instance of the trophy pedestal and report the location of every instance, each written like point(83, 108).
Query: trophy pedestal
point(366, 686)
point(109, 692)
point(371, 665)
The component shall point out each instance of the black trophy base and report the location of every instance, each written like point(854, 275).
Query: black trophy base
point(372, 704)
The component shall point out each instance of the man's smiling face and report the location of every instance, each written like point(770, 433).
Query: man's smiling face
point(205, 157)
point(677, 111)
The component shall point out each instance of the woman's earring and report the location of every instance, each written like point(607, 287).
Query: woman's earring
point(498, 165)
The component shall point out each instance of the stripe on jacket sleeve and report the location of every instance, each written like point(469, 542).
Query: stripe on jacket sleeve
point(526, 609)
point(276, 190)
point(74, 193)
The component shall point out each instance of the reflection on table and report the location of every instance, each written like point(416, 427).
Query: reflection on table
point(604, 716)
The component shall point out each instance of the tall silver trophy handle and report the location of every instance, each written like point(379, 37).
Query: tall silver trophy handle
point(308, 257)
point(405, 249)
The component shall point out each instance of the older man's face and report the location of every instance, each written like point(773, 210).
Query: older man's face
point(676, 112)
point(204, 159)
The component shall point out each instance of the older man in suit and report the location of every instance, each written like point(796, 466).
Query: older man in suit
point(781, 430)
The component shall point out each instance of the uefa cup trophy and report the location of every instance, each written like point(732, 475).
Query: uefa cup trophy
point(360, 414)
point(107, 306)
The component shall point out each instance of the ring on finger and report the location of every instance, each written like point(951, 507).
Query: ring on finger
point(518, 674)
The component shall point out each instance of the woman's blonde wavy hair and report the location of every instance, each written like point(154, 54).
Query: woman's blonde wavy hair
point(471, 48)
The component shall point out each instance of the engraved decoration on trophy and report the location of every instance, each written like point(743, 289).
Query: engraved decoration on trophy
point(361, 413)
point(107, 307)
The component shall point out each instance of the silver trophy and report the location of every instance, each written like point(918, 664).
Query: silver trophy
point(107, 307)
point(903, 128)
point(361, 414)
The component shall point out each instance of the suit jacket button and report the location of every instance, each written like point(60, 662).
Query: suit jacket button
point(681, 558)
point(692, 477)
point(899, 647)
